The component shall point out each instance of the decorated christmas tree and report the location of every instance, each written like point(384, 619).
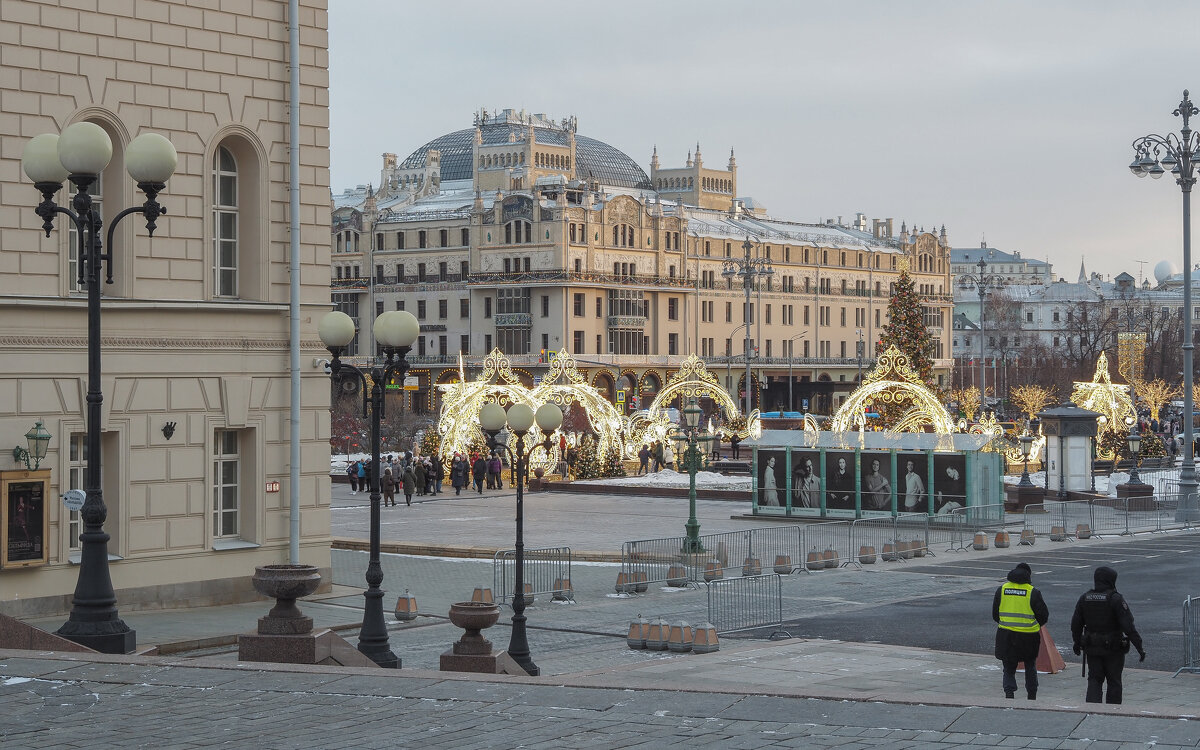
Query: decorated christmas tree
point(587, 464)
point(906, 329)
point(613, 466)
point(431, 441)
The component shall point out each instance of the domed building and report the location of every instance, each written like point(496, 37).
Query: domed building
point(521, 234)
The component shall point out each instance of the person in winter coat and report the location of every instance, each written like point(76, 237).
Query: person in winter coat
point(362, 476)
point(438, 472)
point(419, 475)
point(1102, 628)
point(496, 470)
point(388, 483)
point(643, 460)
point(478, 472)
point(458, 474)
point(410, 484)
point(352, 473)
point(1020, 612)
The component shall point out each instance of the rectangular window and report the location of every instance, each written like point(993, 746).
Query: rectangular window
point(728, 312)
point(806, 315)
point(463, 271)
point(399, 240)
point(399, 273)
point(578, 265)
point(577, 342)
point(443, 311)
point(672, 308)
point(420, 309)
point(465, 239)
point(464, 308)
point(672, 343)
point(379, 274)
point(767, 319)
point(599, 307)
point(444, 236)
point(545, 306)
point(545, 341)
point(225, 483)
point(487, 342)
point(399, 304)
point(464, 344)
point(442, 345)
point(577, 308)
point(420, 272)
point(225, 225)
point(422, 239)
point(487, 311)
point(378, 307)
point(442, 271)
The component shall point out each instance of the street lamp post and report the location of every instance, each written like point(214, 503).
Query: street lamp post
point(395, 331)
point(860, 355)
point(520, 418)
point(80, 154)
point(1135, 450)
point(1154, 155)
point(791, 401)
point(748, 268)
point(983, 282)
point(693, 457)
point(1026, 449)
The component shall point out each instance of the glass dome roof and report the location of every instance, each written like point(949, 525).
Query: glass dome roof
point(597, 159)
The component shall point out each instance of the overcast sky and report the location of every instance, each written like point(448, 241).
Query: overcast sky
point(1010, 120)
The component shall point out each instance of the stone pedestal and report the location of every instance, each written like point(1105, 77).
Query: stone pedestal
point(1017, 497)
point(1137, 496)
point(473, 652)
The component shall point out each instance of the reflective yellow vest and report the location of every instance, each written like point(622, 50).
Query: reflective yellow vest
point(1016, 608)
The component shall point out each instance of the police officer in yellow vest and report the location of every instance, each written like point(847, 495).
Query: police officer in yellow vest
point(1020, 611)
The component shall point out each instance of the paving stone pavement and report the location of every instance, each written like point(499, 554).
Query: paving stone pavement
point(49, 701)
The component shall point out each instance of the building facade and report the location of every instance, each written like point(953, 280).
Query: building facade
point(521, 234)
point(195, 433)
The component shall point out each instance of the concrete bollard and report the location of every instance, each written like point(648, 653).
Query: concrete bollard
point(918, 547)
point(562, 590)
point(830, 557)
point(981, 541)
point(866, 555)
point(638, 630)
point(905, 549)
point(529, 598)
point(752, 566)
point(783, 564)
point(889, 552)
point(677, 576)
point(1083, 531)
point(1002, 540)
point(713, 570)
point(482, 594)
point(1058, 533)
point(657, 634)
point(1028, 537)
point(680, 638)
point(625, 584)
point(641, 582)
point(406, 607)
point(814, 561)
point(705, 640)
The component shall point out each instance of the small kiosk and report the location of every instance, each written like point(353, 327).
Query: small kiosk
point(1070, 434)
point(860, 474)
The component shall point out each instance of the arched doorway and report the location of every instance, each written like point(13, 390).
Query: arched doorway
point(627, 392)
point(607, 387)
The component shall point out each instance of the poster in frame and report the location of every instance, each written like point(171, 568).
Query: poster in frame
point(772, 480)
point(24, 518)
point(949, 482)
point(840, 494)
point(876, 469)
point(806, 482)
point(912, 482)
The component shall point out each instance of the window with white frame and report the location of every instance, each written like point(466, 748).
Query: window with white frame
point(225, 483)
point(225, 223)
point(76, 466)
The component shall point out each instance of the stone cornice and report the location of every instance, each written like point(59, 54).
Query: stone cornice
point(174, 343)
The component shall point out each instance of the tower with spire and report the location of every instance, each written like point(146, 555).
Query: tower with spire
point(695, 184)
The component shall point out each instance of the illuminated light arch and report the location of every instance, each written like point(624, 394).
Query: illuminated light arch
point(893, 381)
point(563, 386)
point(989, 425)
point(693, 379)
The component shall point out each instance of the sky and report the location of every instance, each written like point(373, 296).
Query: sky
point(1006, 121)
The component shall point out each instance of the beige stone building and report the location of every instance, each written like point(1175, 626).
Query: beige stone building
point(196, 323)
point(522, 234)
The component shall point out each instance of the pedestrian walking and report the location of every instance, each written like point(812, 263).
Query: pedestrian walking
point(734, 442)
point(352, 474)
point(458, 473)
point(496, 470)
point(410, 484)
point(438, 472)
point(362, 476)
point(419, 477)
point(656, 457)
point(491, 474)
point(389, 486)
point(1020, 612)
point(1102, 629)
point(643, 459)
point(479, 472)
point(668, 457)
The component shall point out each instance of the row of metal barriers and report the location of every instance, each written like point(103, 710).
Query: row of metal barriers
point(1064, 519)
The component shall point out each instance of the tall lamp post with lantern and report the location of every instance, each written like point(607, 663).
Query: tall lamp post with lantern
point(1155, 155)
point(394, 331)
point(693, 435)
point(520, 418)
point(80, 155)
point(748, 268)
point(982, 282)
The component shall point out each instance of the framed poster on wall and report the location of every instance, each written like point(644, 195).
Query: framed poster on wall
point(24, 518)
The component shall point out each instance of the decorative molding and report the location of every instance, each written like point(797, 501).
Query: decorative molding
point(80, 342)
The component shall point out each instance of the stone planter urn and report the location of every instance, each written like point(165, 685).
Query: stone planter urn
point(285, 584)
point(473, 617)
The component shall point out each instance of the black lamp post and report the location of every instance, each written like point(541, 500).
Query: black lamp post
point(520, 418)
point(1026, 449)
point(693, 460)
point(37, 442)
point(395, 331)
point(748, 268)
point(1154, 155)
point(80, 154)
point(983, 282)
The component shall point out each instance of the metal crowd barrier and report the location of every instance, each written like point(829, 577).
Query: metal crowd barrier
point(964, 523)
point(829, 535)
point(547, 572)
point(1191, 635)
point(1112, 515)
point(668, 559)
point(886, 533)
point(1064, 515)
point(747, 603)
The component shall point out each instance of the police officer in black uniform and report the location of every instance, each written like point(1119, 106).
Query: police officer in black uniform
point(1102, 627)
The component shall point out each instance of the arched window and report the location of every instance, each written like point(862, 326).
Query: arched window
point(225, 223)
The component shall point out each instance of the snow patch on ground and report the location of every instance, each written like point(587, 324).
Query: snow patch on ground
point(668, 478)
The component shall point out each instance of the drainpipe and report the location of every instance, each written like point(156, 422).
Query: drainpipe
point(294, 279)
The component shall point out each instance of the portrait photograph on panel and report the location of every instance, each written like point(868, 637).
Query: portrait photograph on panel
point(876, 481)
point(839, 481)
point(806, 480)
point(911, 493)
point(772, 478)
point(949, 482)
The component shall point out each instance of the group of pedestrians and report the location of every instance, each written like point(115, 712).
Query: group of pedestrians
point(654, 457)
point(408, 474)
point(1102, 630)
point(477, 470)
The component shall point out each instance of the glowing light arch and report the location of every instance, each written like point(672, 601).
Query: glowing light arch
point(693, 379)
point(893, 381)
